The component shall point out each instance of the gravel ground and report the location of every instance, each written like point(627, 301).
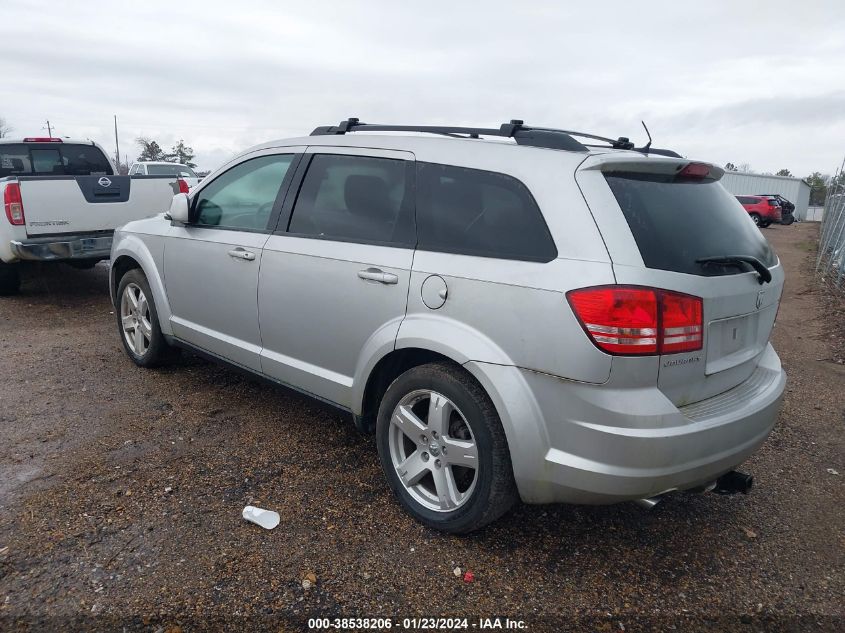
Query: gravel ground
point(121, 491)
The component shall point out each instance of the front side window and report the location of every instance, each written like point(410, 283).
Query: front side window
point(243, 197)
point(483, 213)
point(355, 198)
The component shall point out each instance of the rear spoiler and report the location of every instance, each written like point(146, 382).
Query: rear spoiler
point(653, 164)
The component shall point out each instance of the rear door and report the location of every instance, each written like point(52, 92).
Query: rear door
point(334, 276)
point(656, 226)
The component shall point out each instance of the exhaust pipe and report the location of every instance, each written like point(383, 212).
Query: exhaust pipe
point(649, 503)
point(733, 482)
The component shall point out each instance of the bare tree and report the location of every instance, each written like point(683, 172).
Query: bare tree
point(5, 129)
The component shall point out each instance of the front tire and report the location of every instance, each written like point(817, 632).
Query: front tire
point(137, 322)
point(10, 280)
point(443, 449)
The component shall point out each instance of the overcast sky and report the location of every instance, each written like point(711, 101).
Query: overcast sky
point(760, 82)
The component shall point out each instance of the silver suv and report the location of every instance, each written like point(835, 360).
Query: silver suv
point(515, 314)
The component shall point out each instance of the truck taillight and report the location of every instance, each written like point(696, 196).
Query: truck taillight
point(638, 321)
point(13, 203)
point(183, 186)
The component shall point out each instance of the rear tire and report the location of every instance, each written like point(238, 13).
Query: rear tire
point(756, 217)
point(438, 427)
point(10, 280)
point(137, 322)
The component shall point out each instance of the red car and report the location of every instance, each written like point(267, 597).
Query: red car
point(763, 210)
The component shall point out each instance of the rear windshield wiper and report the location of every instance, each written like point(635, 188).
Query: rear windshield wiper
point(764, 273)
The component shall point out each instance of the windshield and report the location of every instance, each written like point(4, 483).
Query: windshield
point(675, 222)
point(170, 170)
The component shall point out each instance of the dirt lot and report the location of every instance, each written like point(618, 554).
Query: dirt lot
point(121, 491)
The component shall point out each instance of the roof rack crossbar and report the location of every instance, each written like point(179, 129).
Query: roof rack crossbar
point(523, 134)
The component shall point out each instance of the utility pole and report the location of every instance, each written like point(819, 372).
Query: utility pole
point(116, 144)
point(49, 129)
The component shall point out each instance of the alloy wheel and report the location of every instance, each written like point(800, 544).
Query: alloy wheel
point(135, 319)
point(433, 450)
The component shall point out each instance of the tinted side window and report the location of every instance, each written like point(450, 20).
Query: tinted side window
point(356, 198)
point(14, 159)
point(84, 160)
point(476, 212)
point(243, 197)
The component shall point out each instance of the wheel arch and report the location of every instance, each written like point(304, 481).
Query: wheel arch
point(132, 253)
point(420, 339)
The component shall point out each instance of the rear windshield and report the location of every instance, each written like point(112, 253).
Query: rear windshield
point(52, 159)
point(170, 170)
point(677, 222)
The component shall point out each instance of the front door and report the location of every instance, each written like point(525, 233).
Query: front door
point(211, 265)
point(334, 277)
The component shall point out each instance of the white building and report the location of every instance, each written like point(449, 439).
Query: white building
point(793, 189)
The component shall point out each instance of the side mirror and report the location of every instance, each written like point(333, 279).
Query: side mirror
point(179, 209)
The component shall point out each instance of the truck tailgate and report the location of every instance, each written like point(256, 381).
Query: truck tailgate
point(78, 204)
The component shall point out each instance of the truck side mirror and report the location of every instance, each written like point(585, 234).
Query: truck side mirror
point(179, 209)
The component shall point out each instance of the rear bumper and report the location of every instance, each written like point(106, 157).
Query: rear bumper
point(63, 247)
point(594, 444)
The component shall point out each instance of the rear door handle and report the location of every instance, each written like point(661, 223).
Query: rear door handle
point(240, 253)
point(376, 274)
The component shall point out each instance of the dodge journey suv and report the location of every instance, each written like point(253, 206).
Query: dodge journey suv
point(515, 314)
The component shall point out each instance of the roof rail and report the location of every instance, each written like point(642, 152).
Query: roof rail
point(549, 138)
point(523, 135)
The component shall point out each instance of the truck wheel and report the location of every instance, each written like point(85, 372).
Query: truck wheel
point(443, 449)
point(756, 218)
point(10, 280)
point(137, 322)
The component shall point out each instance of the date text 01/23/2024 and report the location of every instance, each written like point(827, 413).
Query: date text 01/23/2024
point(417, 624)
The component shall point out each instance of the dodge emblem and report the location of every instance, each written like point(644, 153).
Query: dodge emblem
point(104, 182)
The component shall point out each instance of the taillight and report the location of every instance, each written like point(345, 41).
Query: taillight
point(682, 322)
point(632, 320)
point(42, 139)
point(13, 203)
point(183, 186)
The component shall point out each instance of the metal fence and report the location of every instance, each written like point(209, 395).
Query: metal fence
point(830, 265)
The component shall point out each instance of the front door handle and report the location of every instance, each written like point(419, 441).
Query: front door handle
point(376, 274)
point(240, 253)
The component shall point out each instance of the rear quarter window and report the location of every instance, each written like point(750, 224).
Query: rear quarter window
point(483, 213)
point(675, 222)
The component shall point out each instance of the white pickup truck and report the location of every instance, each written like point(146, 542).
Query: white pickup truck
point(63, 201)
